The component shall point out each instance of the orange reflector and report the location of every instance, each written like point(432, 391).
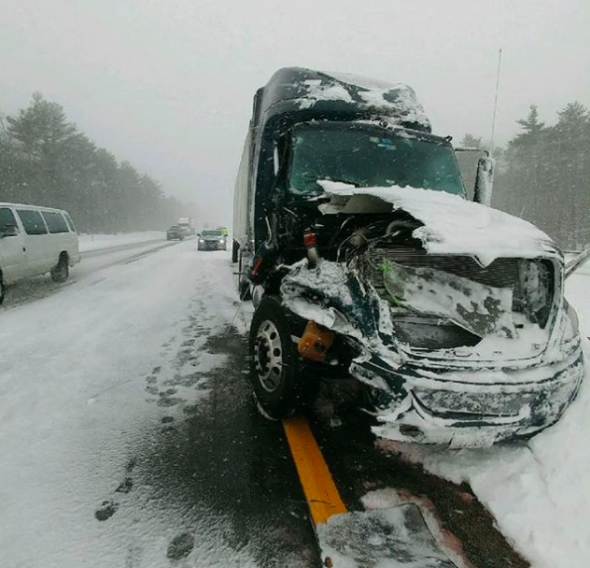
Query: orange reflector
point(318, 486)
point(315, 341)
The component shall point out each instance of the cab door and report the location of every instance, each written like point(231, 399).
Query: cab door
point(13, 254)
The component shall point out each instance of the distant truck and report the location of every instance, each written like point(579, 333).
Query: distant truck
point(187, 224)
point(366, 257)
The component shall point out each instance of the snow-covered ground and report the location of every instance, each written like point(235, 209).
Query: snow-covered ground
point(73, 413)
point(538, 492)
point(95, 242)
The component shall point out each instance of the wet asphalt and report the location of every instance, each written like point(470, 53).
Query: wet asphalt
point(223, 460)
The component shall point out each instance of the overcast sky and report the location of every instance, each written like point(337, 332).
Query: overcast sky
point(168, 84)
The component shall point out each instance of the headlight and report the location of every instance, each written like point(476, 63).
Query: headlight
point(201, 240)
point(221, 241)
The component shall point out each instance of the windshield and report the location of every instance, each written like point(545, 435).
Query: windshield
point(212, 234)
point(371, 158)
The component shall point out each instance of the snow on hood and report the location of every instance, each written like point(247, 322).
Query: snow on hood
point(453, 225)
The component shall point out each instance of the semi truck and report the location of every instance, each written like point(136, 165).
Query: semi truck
point(187, 225)
point(366, 260)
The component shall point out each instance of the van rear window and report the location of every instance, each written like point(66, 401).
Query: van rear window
point(55, 222)
point(32, 222)
point(70, 222)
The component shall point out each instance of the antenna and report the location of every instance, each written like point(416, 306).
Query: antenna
point(496, 101)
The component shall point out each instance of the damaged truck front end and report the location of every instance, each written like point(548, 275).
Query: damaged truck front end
point(431, 377)
point(365, 259)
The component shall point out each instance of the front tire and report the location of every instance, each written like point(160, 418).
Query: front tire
point(282, 385)
point(61, 271)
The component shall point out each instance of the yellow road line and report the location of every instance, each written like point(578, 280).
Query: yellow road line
point(319, 487)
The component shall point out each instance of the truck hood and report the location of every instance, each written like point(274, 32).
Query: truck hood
point(450, 224)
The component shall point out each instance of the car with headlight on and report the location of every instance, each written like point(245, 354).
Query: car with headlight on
point(211, 239)
point(366, 260)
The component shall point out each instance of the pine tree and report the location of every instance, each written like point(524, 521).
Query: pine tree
point(46, 160)
point(470, 141)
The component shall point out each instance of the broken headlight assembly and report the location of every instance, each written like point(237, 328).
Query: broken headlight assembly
point(534, 296)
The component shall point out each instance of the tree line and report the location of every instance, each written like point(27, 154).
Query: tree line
point(45, 160)
point(543, 174)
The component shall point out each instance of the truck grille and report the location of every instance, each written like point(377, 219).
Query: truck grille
point(502, 273)
point(427, 332)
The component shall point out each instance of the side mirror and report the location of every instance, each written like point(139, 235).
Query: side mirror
point(576, 262)
point(484, 181)
point(8, 231)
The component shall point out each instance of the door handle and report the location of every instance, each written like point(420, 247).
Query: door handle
point(24, 249)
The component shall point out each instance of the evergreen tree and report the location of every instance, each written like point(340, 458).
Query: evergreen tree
point(45, 160)
point(470, 141)
point(545, 176)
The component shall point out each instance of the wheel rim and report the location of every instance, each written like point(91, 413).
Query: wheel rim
point(268, 356)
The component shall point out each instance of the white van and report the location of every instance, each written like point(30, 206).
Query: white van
point(33, 241)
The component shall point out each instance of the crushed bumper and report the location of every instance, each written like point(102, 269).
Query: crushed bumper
point(471, 409)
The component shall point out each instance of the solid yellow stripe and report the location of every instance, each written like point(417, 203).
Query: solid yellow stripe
point(319, 487)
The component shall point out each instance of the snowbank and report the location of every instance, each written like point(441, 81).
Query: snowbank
point(538, 492)
point(95, 242)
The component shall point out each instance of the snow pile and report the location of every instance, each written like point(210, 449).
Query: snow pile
point(96, 242)
point(320, 91)
point(453, 225)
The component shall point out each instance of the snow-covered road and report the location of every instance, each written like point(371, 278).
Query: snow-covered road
point(93, 378)
point(111, 253)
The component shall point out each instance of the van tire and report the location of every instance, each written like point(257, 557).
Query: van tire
point(282, 384)
point(61, 271)
point(2, 289)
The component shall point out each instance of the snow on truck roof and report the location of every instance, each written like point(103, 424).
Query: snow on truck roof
point(294, 89)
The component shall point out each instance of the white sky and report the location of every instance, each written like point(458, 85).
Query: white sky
point(168, 84)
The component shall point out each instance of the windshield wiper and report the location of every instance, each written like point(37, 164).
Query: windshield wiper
point(341, 180)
